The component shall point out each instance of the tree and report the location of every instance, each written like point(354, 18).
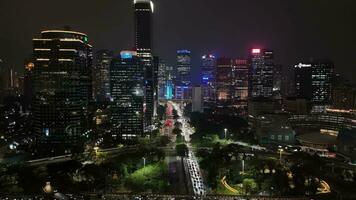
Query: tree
point(161, 111)
point(175, 114)
point(178, 124)
point(249, 185)
point(177, 131)
point(162, 141)
point(182, 149)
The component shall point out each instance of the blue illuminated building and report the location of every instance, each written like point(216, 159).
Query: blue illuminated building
point(183, 68)
point(208, 77)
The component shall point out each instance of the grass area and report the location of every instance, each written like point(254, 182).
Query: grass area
point(151, 178)
point(210, 141)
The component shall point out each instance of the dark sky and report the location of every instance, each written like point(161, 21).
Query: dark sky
point(294, 29)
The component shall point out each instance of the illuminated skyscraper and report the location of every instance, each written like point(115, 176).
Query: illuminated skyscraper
point(165, 73)
point(101, 75)
point(208, 77)
point(143, 45)
point(183, 77)
point(62, 89)
point(126, 88)
point(224, 79)
point(261, 73)
point(240, 79)
point(314, 81)
point(322, 80)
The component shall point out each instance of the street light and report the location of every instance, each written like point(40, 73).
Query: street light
point(225, 130)
point(280, 155)
point(96, 150)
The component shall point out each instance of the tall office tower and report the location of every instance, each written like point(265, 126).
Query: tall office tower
point(101, 75)
point(313, 81)
point(224, 77)
point(303, 80)
point(208, 77)
point(168, 90)
point(62, 89)
point(143, 45)
point(162, 78)
point(261, 73)
point(183, 68)
point(240, 80)
point(322, 79)
point(127, 93)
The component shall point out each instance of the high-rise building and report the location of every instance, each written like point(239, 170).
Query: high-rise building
point(261, 73)
point(224, 79)
point(101, 75)
point(62, 90)
point(303, 80)
point(322, 80)
point(183, 77)
point(165, 73)
point(240, 80)
point(313, 81)
point(208, 77)
point(127, 96)
point(143, 46)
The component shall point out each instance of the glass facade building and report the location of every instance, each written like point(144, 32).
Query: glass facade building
point(127, 96)
point(101, 75)
point(208, 77)
point(143, 46)
point(261, 73)
point(62, 90)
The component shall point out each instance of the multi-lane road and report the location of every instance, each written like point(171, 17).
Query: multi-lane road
point(192, 166)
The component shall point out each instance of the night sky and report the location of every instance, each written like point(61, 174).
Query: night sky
point(295, 29)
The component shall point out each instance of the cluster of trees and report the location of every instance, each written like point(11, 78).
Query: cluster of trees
point(207, 124)
point(152, 178)
point(260, 175)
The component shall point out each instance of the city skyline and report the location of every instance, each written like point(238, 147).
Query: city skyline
point(294, 38)
point(184, 99)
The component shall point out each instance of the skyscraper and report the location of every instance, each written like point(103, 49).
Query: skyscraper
point(261, 73)
point(164, 75)
point(303, 80)
point(208, 77)
point(313, 81)
point(62, 89)
point(143, 46)
point(224, 79)
point(183, 77)
point(101, 75)
point(322, 80)
point(240, 81)
point(127, 93)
